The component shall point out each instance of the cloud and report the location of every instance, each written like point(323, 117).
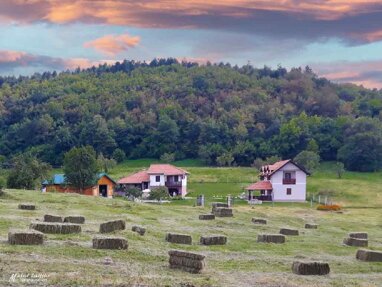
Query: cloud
point(19, 61)
point(111, 44)
point(366, 73)
point(354, 21)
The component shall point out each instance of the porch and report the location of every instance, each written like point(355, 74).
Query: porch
point(261, 190)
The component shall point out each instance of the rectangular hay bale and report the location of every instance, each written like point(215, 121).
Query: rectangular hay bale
point(222, 212)
point(186, 261)
point(25, 237)
point(56, 228)
point(288, 231)
point(259, 221)
point(356, 242)
point(311, 226)
point(206, 216)
point(110, 243)
point(178, 238)
point(52, 218)
point(358, 235)
point(27, 206)
point(111, 226)
point(310, 268)
point(78, 219)
point(213, 240)
point(138, 229)
point(369, 255)
point(271, 238)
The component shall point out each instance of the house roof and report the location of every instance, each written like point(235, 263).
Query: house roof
point(59, 178)
point(166, 169)
point(269, 170)
point(260, 185)
point(138, 177)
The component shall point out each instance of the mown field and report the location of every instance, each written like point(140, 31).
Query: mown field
point(69, 260)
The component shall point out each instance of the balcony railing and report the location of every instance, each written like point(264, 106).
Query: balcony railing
point(289, 181)
point(173, 183)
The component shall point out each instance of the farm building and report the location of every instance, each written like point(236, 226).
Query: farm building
point(174, 178)
point(103, 187)
point(281, 181)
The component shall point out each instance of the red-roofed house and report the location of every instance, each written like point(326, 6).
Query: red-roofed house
point(174, 178)
point(281, 181)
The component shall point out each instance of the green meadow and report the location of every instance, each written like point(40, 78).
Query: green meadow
point(69, 260)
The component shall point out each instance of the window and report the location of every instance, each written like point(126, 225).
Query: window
point(176, 178)
point(288, 175)
point(157, 178)
point(289, 191)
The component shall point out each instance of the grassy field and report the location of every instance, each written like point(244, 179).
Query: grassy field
point(69, 260)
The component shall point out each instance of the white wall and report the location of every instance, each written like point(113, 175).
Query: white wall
point(184, 185)
point(280, 189)
point(153, 181)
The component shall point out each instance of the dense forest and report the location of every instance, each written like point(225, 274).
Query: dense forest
point(223, 114)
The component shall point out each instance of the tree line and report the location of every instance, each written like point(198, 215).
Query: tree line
point(222, 114)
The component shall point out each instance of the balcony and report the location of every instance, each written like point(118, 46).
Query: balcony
point(289, 181)
point(173, 183)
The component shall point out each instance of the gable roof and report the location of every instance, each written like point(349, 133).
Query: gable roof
point(166, 169)
point(138, 177)
point(269, 170)
point(102, 174)
point(59, 178)
point(260, 185)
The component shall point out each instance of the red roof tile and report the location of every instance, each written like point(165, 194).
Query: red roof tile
point(139, 177)
point(260, 185)
point(166, 169)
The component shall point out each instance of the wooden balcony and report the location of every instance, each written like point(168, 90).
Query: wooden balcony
point(289, 181)
point(173, 183)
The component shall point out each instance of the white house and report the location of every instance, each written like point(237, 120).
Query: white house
point(174, 178)
point(281, 181)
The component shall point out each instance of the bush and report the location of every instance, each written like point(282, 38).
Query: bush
point(333, 207)
point(133, 192)
point(159, 193)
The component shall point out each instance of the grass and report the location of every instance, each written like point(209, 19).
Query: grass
point(69, 260)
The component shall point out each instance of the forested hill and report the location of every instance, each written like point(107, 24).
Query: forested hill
point(219, 113)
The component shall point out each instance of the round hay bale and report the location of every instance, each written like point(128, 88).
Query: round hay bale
point(27, 206)
point(25, 237)
point(358, 235)
point(213, 240)
point(56, 228)
point(369, 255)
point(77, 219)
point(206, 217)
point(311, 226)
point(288, 231)
point(110, 243)
point(259, 221)
point(52, 218)
point(356, 242)
point(310, 268)
point(271, 238)
point(111, 226)
point(178, 238)
point(138, 229)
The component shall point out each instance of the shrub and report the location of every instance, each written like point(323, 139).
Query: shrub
point(133, 192)
point(333, 207)
point(159, 193)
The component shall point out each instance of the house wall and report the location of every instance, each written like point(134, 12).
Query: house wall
point(280, 189)
point(110, 186)
point(153, 183)
point(184, 185)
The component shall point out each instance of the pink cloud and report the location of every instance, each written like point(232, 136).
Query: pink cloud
point(113, 44)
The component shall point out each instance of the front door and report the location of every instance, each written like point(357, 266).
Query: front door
point(103, 190)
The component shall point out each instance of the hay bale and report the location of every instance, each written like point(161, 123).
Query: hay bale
point(111, 226)
point(206, 217)
point(56, 228)
point(138, 229)
point(178, 238)
point(27, 206)
point(25, 237)
point(222, 212)
point(311, 226)
point(110, 243)
point(213, 240)
point(288, 231)
point(52, 218)
point(271, 238)
point(78, 219)
point(369, 255)
point(259, 221)
point(358, 235)
point(356, 242)
point(219, 204)
point(310, 268)
point(186, 261)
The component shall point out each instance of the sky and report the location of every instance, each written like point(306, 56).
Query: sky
point(338, 39)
